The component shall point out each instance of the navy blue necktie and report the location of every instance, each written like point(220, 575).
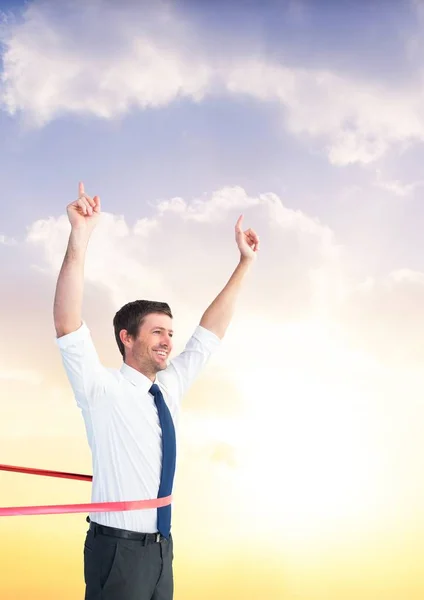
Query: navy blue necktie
point(169, 453)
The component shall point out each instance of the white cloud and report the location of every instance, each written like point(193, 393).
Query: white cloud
point(182, 241)
point(397, 187)
point(357, 121)
point(92, 59)
point(116, 256)
point(215, 208)
point(211, 209)
point(148, 56)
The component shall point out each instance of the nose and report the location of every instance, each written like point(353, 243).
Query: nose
point(166, 340)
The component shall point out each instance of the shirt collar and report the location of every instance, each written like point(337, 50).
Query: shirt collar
point(136, 378)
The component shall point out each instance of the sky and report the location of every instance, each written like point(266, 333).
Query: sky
point(300, 445)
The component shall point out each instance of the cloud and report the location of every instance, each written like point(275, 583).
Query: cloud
point(59, 59)
point(213, 209)
point(143, 56)
point(396, 186)
point(183, 241)
point(357, 121)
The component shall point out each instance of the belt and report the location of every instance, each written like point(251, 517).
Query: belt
point(145, 538)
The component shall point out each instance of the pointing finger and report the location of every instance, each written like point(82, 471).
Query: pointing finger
point(239, 224)
point(80, 189)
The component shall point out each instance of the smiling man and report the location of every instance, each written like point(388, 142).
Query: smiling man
point(131, 414)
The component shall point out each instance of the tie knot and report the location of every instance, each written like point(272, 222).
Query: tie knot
point(154, 389)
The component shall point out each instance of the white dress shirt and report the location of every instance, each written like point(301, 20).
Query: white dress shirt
point(122, 422)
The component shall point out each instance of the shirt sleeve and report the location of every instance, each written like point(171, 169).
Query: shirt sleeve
point(184, 368)
point(85, 372)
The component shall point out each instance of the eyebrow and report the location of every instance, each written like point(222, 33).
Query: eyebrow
point(162, 329)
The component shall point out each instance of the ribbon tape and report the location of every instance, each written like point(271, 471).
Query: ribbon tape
point(74, 508)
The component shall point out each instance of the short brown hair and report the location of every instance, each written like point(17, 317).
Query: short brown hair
point(132, 315)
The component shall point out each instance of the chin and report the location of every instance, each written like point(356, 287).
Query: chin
point(161, 366)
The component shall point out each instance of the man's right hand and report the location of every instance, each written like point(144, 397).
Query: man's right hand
point(84, 213)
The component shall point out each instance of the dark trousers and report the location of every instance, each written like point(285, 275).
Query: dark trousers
point(117, 568)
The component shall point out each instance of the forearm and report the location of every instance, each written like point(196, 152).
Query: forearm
point(68, 299)
point(218, 315)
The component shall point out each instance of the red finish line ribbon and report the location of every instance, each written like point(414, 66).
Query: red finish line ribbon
point(45, 473)
point(12, 511)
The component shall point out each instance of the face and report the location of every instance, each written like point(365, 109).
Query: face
point(149, 351)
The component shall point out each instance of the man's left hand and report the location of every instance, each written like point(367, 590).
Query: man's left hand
point(247, 241)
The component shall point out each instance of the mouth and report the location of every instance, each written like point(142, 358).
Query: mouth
point(161, 353)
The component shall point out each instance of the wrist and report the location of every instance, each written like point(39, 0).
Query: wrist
point(246, 261)
point(78, 243)
point(80, 233)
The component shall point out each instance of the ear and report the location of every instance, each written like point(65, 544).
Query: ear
point(125, 338)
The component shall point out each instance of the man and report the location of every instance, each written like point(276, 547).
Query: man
point(130, 415)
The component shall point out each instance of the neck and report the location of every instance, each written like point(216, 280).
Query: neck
point(143, 370)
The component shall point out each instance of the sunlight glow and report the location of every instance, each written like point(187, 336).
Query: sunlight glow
point(304, 447)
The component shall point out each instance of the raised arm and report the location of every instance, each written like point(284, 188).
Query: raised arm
point(218, 315)
point(83, 215)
